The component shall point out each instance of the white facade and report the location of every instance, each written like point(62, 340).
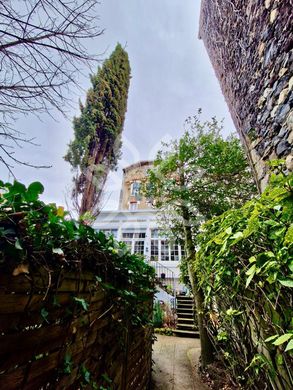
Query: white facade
point(135, 223)
point(139, 230)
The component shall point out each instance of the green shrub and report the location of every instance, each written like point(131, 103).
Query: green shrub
point(157, 315)
point(42, 235)
point(245, 268)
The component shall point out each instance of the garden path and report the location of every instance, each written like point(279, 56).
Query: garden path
point(176, 363)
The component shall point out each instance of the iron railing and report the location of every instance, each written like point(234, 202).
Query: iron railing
point(165, 277)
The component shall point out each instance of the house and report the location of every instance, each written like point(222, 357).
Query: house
point(135, 223)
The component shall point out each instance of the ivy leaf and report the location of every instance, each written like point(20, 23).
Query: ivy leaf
point(86, 374)
point(228, 230)
point(18, 245)
point(250, 273)
point(251, 270)
point(282, 339)
point(17, 188)
point(289, 346)
point(289, 235)
point(249, 279)
point(33, 191)
point(286, 282)
point(82, 303)
point(67, 364)
point(237, 235)
point(58, 251)
point(106, 378)
point(271, 338)
point(44, 314)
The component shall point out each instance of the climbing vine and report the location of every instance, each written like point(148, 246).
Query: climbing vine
point(245, 268)
point(35, 234)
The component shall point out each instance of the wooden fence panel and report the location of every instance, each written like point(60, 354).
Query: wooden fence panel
point(49, 340)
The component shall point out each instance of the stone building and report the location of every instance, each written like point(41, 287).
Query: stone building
point(250, 46)
point(133, 178)
point(135, 223)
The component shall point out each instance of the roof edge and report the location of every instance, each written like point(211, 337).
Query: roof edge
point(137, 165)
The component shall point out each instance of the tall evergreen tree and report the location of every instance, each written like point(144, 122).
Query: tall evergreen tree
point(96, 147)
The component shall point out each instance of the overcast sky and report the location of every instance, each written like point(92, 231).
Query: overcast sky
point(171, 78)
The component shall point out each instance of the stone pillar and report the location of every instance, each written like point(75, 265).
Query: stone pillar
point(250, 46)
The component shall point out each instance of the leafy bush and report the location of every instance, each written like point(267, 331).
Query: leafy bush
point(35, 234)
point(245, 268)
point(157, 315)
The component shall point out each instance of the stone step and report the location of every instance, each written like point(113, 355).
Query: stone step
point(186, 333)
point(188, 315)
point(186, 327)
point(183, 302)
point(185, 320)
point(184, 306)
point(185, 310)
point(184, 298)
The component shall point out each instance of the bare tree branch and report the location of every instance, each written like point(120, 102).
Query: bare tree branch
point(42, 49)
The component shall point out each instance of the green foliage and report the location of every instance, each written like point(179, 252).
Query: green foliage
point(103, 114)
point(245, 268)
point(164, 331)
point(158, 315)
point(97, 131)
point(82, 303)
point(35, 234)
point(68, 363)
point(197, 177)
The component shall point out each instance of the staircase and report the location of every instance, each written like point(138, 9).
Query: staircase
point(164, 278)
point(185, 317)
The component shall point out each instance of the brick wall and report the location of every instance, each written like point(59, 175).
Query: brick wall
point(250, 46)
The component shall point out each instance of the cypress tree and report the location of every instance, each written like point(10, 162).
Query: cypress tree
point(95, 150)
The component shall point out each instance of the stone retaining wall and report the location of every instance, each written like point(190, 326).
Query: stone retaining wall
point(250, 46)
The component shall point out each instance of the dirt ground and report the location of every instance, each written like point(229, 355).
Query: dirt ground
point(175, 364)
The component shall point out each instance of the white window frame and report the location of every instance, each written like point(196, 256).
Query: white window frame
point(137, 192)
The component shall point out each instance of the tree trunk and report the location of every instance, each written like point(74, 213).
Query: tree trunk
point(207, 349)
point(87, 200)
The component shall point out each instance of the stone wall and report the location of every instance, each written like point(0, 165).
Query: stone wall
point(134, 173)
point(250, 46)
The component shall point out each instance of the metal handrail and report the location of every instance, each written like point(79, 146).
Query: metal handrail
point(161, 270)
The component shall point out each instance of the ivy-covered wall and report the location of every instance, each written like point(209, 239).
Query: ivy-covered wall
point(250, 46)
point(75, 305)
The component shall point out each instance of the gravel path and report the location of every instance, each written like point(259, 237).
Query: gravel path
point(176, 363)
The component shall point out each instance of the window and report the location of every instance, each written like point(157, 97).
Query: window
point(127, 235)
point(174, 252)
point(164, 250)
point(133, 235)
point(139, 247)
point(135, 241)
point(135, 189)
point(154, 250)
